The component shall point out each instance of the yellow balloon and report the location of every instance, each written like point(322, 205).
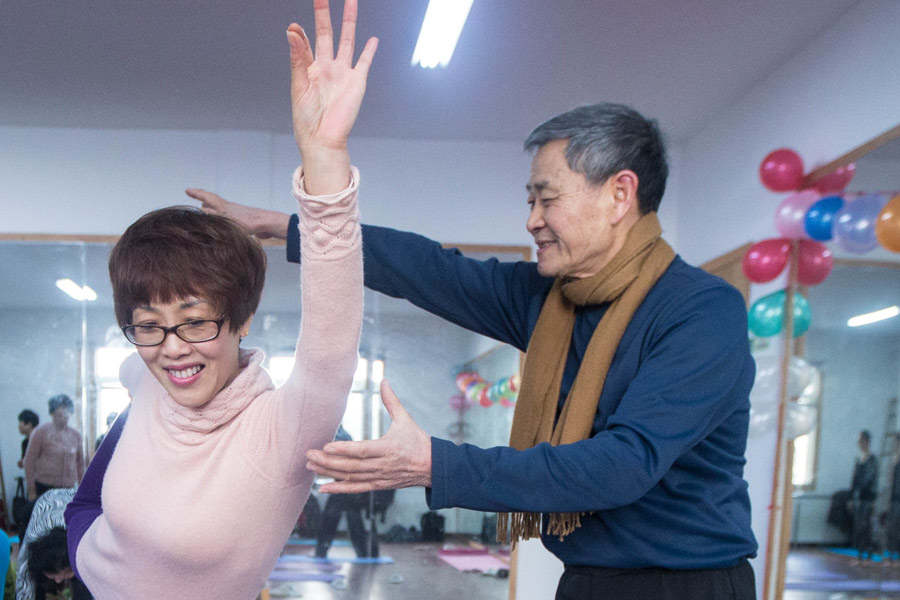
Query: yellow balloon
point(887, 225)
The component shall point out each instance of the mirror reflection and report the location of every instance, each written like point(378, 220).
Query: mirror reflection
point(54, 343)
point(845, 521)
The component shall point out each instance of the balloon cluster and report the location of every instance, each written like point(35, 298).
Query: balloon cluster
point(806, 218)
point(474, 388)
point(857, 223)
point(804, 393)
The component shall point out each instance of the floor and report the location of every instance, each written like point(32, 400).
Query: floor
point(816, 574)
point(417, 572)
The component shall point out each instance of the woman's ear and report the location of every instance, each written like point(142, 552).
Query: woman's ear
point(245, 328)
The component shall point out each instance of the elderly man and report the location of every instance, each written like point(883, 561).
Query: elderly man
point(627, 447)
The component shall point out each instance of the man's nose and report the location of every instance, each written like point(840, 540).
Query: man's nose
point(535, 219)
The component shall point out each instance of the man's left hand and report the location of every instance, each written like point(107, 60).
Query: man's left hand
point(400, 459)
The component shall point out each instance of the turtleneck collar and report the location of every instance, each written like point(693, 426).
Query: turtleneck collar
point(190, 425)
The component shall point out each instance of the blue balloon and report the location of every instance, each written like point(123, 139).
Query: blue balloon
point(820, 217)
point(854, 224)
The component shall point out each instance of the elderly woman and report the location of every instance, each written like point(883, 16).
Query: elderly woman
point(196, 488)
point(54, 457)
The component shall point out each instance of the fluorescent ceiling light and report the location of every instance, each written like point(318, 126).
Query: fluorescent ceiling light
point(873, 317)
point(78, 292)
point(444, 20)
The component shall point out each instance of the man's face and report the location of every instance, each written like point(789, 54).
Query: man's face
point(25, 428)
point(570, 218)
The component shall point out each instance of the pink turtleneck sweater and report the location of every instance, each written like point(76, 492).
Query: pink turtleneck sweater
point(198, 503)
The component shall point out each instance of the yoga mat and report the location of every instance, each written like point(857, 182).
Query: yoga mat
point(291, 576)
point(850, 585)
point(472, 560)
point(380, 560)
point(307, 542)
point(853, 553)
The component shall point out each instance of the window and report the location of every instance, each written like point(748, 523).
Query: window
point(363, 416)
point(112, 397)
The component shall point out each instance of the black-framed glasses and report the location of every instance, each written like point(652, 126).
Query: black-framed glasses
point(202, 330)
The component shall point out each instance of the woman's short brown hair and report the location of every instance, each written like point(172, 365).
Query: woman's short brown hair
point(180, 251)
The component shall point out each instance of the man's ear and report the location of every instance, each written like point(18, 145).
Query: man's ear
point(624, 190)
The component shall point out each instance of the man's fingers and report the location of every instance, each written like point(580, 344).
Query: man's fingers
point(204, 196)
point(392, 403)
point(348, 487)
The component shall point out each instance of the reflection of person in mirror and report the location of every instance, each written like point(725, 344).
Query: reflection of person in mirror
point(892, 518)
point(627, 445)
point(110, 419)
point(197, 486)
point(862, 497)
point(364, 540)
point(28, 420)
point(54, 458)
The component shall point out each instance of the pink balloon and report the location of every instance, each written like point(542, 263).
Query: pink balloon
point(814, 262)
point(790, 219)
point(484, 398)
point(765, 260)
point(836, 181)
point(781, 170)
point(459, 402)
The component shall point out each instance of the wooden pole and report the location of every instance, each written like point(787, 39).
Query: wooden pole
point(775, 561)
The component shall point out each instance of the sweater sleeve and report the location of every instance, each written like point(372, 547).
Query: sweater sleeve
point(492, 298)
point(313, 399)
point(695, 375)
point(87, 505)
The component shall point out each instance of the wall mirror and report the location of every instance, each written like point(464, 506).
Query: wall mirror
point(860, 385)
point(52, 343)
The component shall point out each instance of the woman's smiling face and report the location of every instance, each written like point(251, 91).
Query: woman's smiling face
point(191, 372)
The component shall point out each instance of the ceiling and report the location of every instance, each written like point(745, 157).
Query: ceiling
point(222, 64)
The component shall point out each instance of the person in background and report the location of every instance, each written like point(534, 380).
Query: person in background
point(627, 447)
point(28, 420)
point(110, 419)
point(54, 458)
point(892, 516)
point(45, 566)
point(49, 567)
point(863, 490)
point(351, 505)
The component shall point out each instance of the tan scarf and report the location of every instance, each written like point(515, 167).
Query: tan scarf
point(624, 282)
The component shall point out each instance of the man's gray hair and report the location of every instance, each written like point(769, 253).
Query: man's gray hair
point(605, 139)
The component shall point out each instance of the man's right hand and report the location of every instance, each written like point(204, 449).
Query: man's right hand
point(262, 223)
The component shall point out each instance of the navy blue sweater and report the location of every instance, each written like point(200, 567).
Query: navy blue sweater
point(661, 478)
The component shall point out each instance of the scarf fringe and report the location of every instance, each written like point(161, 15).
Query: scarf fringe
point(512, 527)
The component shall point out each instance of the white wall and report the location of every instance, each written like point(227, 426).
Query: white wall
point(837, 93)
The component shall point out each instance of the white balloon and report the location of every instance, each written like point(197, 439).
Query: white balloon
point(801, 419)
point(800, 375)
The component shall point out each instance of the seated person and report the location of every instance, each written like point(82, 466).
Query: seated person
point(49, 568)
point(47, 515)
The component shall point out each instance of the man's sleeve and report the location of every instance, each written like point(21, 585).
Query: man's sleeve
point(488, 297)
point(87, 505)
point(696, 373)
